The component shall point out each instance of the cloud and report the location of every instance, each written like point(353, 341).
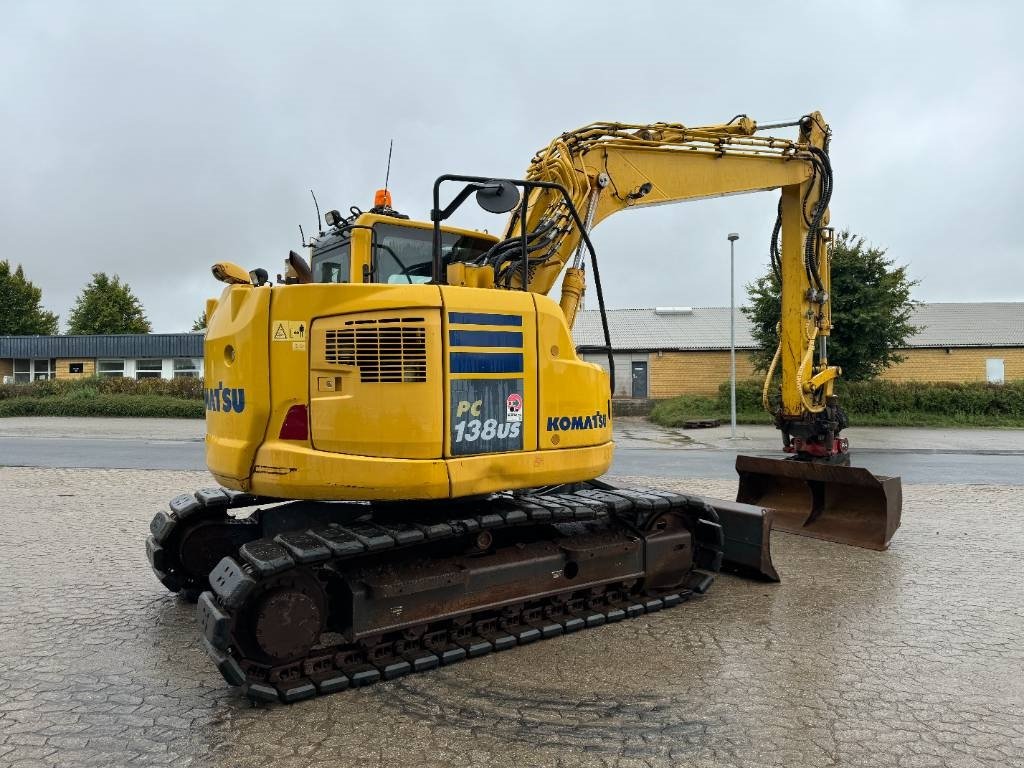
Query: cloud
point(152, 140)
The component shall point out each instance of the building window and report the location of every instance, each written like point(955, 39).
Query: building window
point(110, 368)
point(148, 369)
point(186, 368)
point(995, 372)
point(25, 370)
point(41, 370)
point(76, 367)
point(22, 371)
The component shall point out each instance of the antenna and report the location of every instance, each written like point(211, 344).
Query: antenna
point(315, 203)
point(302, 235)
point(387, 175)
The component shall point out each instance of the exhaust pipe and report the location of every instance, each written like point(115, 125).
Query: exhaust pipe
point(848, 505)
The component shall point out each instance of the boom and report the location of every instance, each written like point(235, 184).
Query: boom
point(610, 167)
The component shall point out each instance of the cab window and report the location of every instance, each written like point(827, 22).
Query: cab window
point(404, 255)
point(332, 261)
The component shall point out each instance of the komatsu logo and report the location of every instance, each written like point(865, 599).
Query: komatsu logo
point(225, 399)
point(597, 420)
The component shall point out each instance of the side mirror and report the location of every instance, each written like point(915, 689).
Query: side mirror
point(498, 196)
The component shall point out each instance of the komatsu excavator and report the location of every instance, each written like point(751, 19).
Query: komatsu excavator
point(408, 445)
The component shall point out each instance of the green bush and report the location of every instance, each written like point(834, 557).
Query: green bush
point(873, 402)
point(174, 399)
point(182, 389)
point(82, 401)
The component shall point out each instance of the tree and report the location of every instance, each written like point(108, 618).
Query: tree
point(200, 323)
point(106, 305)
point(871, 309)
point(21, 310)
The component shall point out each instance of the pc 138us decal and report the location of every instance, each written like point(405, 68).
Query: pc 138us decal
point(486, 416)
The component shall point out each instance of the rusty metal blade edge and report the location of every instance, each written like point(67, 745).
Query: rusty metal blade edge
point(747, 529)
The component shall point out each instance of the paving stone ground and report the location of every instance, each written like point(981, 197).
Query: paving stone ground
point(912, 657)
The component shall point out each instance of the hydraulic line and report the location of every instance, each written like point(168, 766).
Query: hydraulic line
point(806, 363)
point(811, 244)
point(773, 248)
point(494, 253)
point(771, 374)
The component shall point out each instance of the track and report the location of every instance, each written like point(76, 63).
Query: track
point(326, 596)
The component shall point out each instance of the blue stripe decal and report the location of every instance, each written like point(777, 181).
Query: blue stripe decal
point(485, 339)
point(481, 318)
point(486, 362)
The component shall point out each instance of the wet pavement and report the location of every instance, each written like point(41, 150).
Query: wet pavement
point(911, 657)
point(985, 456)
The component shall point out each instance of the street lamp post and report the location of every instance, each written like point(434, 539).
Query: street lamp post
point(733, 237)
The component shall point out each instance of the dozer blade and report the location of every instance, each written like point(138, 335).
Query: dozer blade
point(746, 530)
point(837, 503)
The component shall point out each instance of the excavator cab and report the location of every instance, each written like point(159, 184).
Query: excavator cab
point(385, 247)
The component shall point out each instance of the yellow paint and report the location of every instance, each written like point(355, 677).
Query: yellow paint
point(392, 440)
point(230, 273)
point(382, 419)
point(236, 357)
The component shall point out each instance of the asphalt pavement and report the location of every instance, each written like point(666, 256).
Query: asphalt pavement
point(974, 456)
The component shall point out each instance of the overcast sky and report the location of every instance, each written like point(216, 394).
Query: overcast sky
point(150, 140)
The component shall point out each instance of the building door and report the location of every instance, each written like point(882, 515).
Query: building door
point(639, 378)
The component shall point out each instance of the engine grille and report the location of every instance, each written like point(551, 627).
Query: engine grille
point(385, 350)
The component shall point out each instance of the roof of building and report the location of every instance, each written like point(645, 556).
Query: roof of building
point(108, 345)
point(636, 329)
point(980, 324)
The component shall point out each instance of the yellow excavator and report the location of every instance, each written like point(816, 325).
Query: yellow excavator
point(408, 446)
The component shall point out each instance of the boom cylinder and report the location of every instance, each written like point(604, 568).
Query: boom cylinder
point(573, 284)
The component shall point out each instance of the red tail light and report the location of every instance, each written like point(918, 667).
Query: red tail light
point(296, 424)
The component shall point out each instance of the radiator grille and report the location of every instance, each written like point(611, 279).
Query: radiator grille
point(385, 350)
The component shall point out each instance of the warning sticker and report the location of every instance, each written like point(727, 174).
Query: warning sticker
point(289, 330)
point(514, 407)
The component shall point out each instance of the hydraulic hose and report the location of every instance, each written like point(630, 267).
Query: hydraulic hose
point(773, 248)
point(806, 363)
point(771, 374)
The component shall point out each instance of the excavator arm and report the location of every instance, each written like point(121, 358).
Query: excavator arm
point(610, 167)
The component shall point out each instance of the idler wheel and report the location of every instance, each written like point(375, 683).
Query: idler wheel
point(282, 619)
point(287, 623)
